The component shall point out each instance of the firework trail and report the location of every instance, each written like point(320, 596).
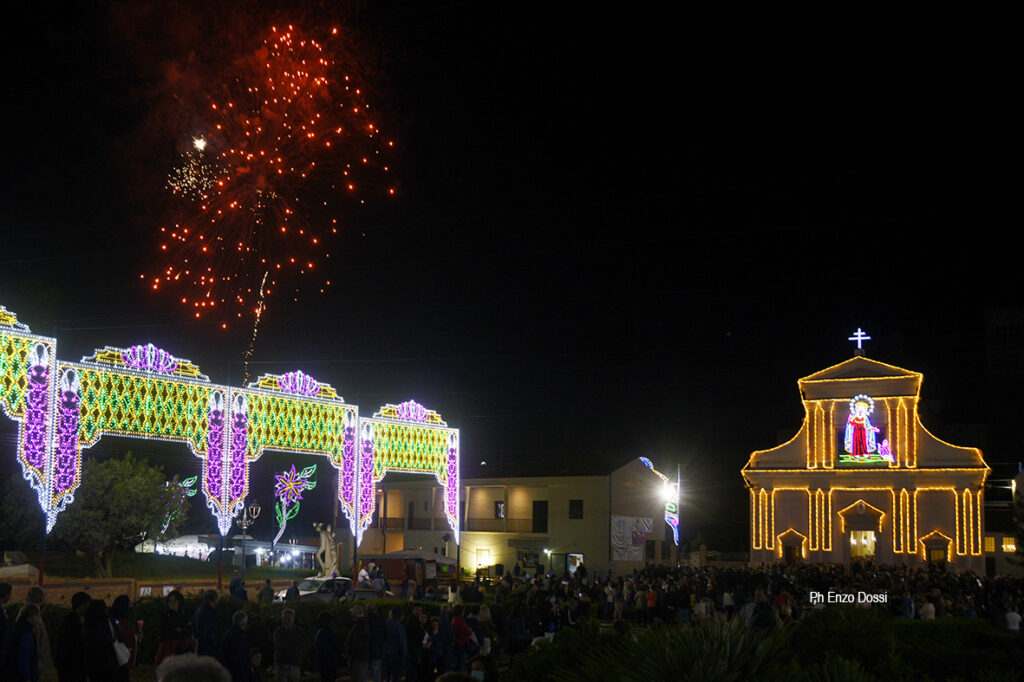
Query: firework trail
point(287, 143)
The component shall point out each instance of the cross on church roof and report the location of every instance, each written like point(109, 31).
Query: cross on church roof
point(860, 337)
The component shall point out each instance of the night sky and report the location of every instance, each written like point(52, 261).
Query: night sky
point(615, 235)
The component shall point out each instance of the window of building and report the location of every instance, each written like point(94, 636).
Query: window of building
point(1009, 545)
point(483, 558)
point(575, 509)
point(990, 544)
point(499, 509)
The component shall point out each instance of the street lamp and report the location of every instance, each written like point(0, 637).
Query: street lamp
point(670, 496)
point(249, 515)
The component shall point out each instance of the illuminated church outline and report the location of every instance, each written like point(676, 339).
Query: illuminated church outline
point(864, 479)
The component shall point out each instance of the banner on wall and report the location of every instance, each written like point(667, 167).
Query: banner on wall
point(629, 535)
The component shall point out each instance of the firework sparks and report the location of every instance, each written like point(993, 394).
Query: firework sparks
point(289, 139)
point(195, 178)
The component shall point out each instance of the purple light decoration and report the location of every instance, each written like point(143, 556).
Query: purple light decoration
point(36, 406)
point(239, 437)
point(66, 461)
point(291, 483)
point(452, 485)
point(215, 449)
point(149, 358)
point(298, 382)
point(411, 411)
point(366, 496)
point(288, 491)
point(348, 469)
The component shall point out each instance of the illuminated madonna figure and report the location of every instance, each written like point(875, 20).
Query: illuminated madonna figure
point(860, 434)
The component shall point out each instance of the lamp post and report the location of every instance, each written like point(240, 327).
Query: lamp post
point(249, 515)
point(293, 553)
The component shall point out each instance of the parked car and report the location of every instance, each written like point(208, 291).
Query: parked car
point(363, 593)
point(320, 589)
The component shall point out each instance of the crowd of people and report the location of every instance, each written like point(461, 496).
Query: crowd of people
point(93, 642)
point(690, 595)
point(487, 622)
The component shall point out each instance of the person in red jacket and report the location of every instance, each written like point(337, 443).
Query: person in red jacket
point(463, 637)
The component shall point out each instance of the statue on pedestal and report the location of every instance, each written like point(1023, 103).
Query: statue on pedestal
point(327, 554)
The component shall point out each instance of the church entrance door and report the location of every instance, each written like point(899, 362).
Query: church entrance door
point(862, 544)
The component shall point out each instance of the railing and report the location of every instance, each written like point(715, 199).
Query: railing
point(394, 524)
point(419, 523)
point(440, 523)
point(520, 525)
point(492, 525)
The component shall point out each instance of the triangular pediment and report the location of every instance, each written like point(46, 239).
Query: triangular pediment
point(860, 375)
point(860, 367)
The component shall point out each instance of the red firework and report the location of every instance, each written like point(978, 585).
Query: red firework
point(289, 139)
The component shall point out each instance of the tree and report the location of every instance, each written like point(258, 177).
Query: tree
point(21, 519)
point(119, 502)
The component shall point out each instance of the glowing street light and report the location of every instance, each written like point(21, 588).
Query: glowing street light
point(670, 495)
point(248, 518)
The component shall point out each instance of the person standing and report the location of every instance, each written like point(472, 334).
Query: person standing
point(256, 667)
point(327, 649)
point(1013, 620)
point(395, 648)
point(234, 652)
point(98, 636)
point(293, 592)
point(415, 635)
point(19, 654)
point(37, 596)
point(70, 652)
point(121, 615)
point(5, 596)
point(377, 633)
point(357, 645)
point(266, 593)
point(175, 632)
point(289, 645)
point(237, 588)
point(463, 637)
point(204, 620)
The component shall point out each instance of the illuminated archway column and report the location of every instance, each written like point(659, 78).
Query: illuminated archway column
point(410, 438)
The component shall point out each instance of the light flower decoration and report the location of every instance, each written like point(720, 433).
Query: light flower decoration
point(288, 490)
point(177, 493)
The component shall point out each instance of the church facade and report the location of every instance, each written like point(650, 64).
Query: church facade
point(864, 480)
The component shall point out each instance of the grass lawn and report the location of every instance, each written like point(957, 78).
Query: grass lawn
point(154, 567)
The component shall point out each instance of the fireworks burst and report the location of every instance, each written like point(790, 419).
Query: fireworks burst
point(288, 140)
point(196, 176)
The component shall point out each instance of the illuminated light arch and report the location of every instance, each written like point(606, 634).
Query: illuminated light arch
point(406, 437)
point(143, 391)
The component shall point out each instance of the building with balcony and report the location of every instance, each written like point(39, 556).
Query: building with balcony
point(612, 520)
